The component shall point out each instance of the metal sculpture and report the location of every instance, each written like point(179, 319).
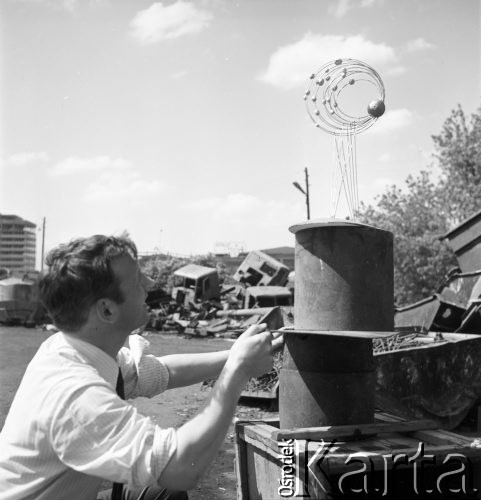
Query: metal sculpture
point(325, 110)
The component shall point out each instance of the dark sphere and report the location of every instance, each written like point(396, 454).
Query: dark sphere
point(376, 108)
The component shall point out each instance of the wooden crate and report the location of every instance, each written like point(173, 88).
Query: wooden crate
point(391, 458)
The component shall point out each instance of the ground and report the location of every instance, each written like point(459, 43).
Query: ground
point(171, 408)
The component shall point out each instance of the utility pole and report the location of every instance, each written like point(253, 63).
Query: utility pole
point(305, 192)
point(43, 245)
point(307, 195)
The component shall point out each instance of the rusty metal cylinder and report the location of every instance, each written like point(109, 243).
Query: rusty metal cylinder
point(326, 381)
point(343, 282)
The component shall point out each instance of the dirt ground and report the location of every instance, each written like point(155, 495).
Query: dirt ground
point(172, 408)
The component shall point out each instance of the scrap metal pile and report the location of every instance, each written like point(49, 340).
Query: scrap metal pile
point(267, 381)
point(404, 340)
point(203, 320)
point(264, 384)
point(198, 305)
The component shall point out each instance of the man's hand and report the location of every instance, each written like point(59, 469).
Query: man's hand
point(252, 352)
point(199, 439)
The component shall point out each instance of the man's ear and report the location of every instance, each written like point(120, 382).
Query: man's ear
point(107, 310)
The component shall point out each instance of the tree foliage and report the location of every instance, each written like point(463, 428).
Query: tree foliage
point(458, 152)
point(429, 205)
point(415, 216)
point(161, 267)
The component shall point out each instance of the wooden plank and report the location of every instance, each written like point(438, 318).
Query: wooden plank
point(454, 437)
point(434, 436)
point(380, 444)
point(397, 440)
point(337, 449)
point(267, 448)
point(381, 416)
point(271, 421)
point(274, 421)
point(440, 437)
point(261, 433)
point(352, 431)
point(241, 464)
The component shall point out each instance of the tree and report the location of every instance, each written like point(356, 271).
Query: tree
point(416, 219)
point(458, 152)
point(429, 206)
point(161, 268)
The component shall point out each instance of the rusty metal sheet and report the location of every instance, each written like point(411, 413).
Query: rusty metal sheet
point(430, 314)
point(440, 380)
point(340, 333)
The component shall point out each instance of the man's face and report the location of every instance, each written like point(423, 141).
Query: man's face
point(134, 285)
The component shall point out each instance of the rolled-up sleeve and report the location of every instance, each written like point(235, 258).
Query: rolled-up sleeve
point(99, 434)
point(144, 375)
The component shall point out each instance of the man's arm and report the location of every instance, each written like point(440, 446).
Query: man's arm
point(199, 439)
point(188, 369)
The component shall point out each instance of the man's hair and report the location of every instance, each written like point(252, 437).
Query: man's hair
point(80, 273)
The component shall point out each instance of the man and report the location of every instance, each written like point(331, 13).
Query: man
point(68, 429)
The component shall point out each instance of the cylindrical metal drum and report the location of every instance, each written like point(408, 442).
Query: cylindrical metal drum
point(343, 281)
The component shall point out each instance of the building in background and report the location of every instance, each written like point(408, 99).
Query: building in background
point(17, 244)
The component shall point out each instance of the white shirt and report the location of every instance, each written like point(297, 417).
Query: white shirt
point(67, 429)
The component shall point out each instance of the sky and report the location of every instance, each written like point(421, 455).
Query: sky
point(184, 124)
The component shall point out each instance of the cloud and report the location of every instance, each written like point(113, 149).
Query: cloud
point(418, 44)
point(369, 191)
point(179, 75)
point(375, 185)
point(26, 158)
point(244, 207)
point(161, 22)
point(233, 216)
point(391, 121)
point(69, 5)
point(29, 1)
point(396, 70)
point(116, 178)
point(341, 7)
point(290, 66)
point(382, 182)
point(385, 158)
point(427, 154)
point(115, 185)
point(232, 204)
point(75, 165)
